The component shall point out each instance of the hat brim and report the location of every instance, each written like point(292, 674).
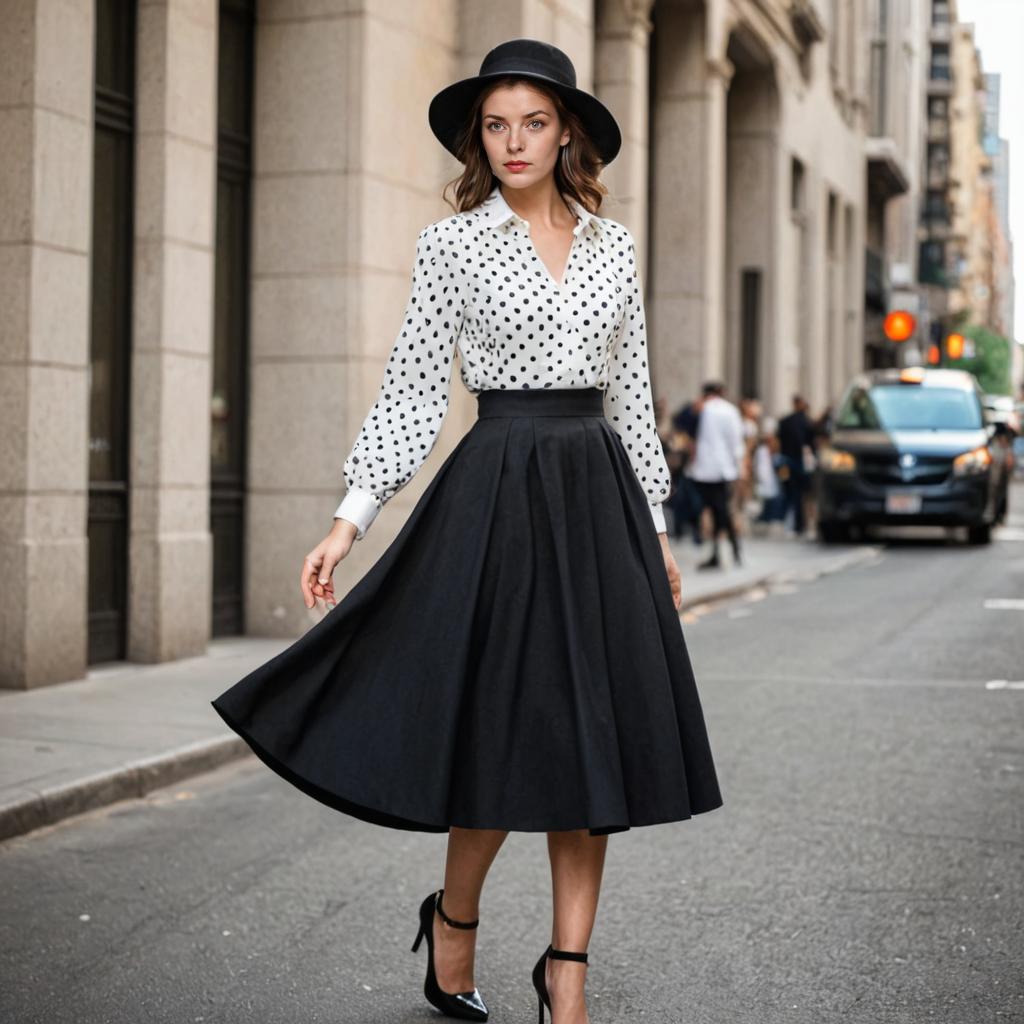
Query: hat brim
point(449, 110)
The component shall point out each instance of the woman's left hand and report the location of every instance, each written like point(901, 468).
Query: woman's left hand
point(674, 577)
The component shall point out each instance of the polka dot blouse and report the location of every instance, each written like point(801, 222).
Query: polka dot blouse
point(479, 284)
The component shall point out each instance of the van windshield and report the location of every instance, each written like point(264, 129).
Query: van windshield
point(910, 407)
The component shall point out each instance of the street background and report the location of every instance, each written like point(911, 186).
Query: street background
point(207, 225)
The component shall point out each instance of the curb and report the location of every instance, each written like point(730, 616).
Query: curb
point(827, 565)
point(134, 779)
point(724, 593)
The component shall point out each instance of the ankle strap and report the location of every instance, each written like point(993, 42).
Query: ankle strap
point(565, 954)
point(447, 919)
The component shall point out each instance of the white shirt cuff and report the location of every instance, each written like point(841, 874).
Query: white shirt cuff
point(658, 514)
point(358, 507)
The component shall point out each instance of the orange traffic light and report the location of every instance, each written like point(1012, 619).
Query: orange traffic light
point(934, 355)
point(899, 325)
point(955, 346)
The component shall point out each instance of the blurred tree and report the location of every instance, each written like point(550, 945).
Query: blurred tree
point(990, 362)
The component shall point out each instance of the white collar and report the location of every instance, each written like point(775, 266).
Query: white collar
point(495, 210)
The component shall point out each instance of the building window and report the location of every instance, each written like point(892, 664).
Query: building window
point(940, 67)
point(879, 88)
point(938, 117)
point(796, 186)
point(832, 225)
point(932, 263)
point(936, 207)
point(938, 165)
point(750, 327)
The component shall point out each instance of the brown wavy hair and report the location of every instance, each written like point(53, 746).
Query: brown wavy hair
point(576, 170)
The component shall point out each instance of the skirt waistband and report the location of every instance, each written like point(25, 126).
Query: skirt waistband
point(540, 402)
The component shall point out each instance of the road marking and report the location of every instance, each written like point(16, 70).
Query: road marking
point(1004, 604)
point(1004, 684)
point(1009, 533)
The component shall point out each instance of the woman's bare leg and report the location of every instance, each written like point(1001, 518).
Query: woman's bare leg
point(471, 851)
point(577, 864)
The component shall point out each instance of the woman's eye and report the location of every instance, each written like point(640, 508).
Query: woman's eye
point(498, 124)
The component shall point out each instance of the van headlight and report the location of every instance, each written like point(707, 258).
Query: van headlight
point(834, 460)
point(972, 462)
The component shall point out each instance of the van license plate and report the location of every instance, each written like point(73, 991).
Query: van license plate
point(903, 503)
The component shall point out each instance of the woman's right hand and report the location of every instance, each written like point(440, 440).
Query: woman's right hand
point(317, 578)
point(675, 580)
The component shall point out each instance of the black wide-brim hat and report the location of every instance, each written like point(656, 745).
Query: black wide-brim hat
point(532, 59)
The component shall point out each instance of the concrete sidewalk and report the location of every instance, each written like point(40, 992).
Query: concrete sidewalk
point(127, 729)
point(765, 560)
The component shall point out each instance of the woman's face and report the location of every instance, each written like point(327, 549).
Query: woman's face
point(522, 134)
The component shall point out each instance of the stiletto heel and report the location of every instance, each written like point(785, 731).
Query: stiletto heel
point(464, 1005)
point(540, 982)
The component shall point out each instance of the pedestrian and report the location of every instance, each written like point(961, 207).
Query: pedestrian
point(685, 501)
point(769, 490)
point(822, 426)
point(743, 489)
point(513, 661)
point(797, 445)
point(675, 458)
point(720, 450)
point(821, 430)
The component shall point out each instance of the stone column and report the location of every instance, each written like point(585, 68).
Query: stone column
point(346, 174)
point(686, 307)
point(719, 74)
point(172, 325)
point(622, 55)
point(46, 90)
point(811, 292)
point(854, 241)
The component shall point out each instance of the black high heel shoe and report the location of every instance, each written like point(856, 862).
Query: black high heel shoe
point(539, 981)
point(464, 1005)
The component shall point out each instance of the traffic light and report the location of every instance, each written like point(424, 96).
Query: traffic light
point(899, 325)
point(955, 346)
point(934, 355)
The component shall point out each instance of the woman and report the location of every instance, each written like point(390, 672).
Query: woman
point(513, 661)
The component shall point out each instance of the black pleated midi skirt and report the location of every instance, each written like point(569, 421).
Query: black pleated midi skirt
point(513, 660)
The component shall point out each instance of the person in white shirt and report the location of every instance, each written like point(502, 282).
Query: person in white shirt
point(720, 450)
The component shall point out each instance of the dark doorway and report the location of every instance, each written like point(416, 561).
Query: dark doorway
point(750, 334)
point(229, 400)
point(110, 328)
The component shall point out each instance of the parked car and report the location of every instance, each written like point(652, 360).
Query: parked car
point(910, 446)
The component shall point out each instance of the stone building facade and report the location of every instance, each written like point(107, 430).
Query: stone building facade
point(898, 39)
point(207, 233)
point(972, 187)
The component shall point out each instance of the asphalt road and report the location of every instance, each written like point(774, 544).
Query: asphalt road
point(868, 864)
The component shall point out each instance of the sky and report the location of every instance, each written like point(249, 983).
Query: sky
point(999, 36)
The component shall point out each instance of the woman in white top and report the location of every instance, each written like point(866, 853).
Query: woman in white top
point(513, 661)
